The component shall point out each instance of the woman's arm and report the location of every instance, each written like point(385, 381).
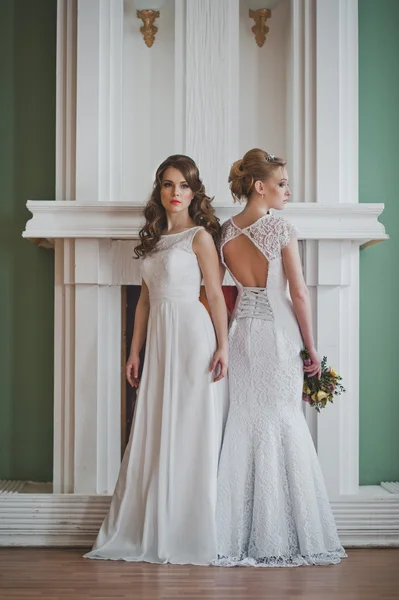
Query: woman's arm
point(301, 301)
point(139, 335)
point(208, 260)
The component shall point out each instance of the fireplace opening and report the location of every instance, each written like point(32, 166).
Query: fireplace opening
point(130, 298)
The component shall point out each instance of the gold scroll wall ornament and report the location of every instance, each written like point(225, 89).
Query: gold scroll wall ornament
point(148, 29)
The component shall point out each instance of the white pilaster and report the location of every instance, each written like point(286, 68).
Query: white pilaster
point(97, 370)
point(212, 89)
point(323, 137)
point(338, 262)
point(98, 178)
point(337, 305)
point(99, 100)
point(337, 100)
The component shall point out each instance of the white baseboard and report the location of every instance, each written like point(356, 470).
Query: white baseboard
point(363, 521)
point(51, 519)
point(70, 520)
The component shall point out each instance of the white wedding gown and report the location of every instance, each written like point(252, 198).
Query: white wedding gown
point(164, 504)
point(273, 508)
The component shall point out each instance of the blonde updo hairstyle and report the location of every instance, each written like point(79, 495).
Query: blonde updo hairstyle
point(256, 165)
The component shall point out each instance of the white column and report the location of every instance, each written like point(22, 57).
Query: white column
point(99, 100)
point(338, 338)
point(211, 89)
point(97, 325)
point(337, 101)
point(338, 262)
point(97, 369)
point(323, 138)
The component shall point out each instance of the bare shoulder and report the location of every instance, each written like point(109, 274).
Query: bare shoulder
point(203, 241)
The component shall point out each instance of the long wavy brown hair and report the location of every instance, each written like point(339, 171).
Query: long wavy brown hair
point(201, 210)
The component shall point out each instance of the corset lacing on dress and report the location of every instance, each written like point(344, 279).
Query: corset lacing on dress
point(254, 303)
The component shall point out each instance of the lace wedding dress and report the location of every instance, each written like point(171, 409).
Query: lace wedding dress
point(273, 508)
point(163, 508)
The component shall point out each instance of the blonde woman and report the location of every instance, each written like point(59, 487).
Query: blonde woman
point(273, 508)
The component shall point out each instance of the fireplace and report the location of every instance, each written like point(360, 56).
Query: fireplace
point(94, 244)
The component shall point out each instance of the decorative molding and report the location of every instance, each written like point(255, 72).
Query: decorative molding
point(313, 221)
point(260, 29)
point(149, 30)
point(74, 520)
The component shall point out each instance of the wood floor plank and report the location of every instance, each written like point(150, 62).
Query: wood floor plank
point(62, 574)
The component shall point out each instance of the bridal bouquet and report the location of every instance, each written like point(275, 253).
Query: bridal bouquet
point(318, 391)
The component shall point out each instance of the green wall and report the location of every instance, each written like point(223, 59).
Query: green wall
point(27, 170)
point(379, 264)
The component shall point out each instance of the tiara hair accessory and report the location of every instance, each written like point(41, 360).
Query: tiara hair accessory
point(269, 157)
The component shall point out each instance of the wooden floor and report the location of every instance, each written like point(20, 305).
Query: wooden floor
point(49, 574)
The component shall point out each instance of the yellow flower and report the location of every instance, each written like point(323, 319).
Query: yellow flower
point(306, 389)
point(314, 397)
point(321, 395)
point(333, 373)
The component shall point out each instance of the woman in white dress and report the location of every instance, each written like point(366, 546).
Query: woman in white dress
point(164, 504)
point(273, 508)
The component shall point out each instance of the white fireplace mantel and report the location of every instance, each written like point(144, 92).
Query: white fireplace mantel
point(121, 220)
point(94, 244)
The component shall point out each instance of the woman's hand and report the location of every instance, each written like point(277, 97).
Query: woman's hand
point(312, 365)
point(132, 370)
point(220, 364)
